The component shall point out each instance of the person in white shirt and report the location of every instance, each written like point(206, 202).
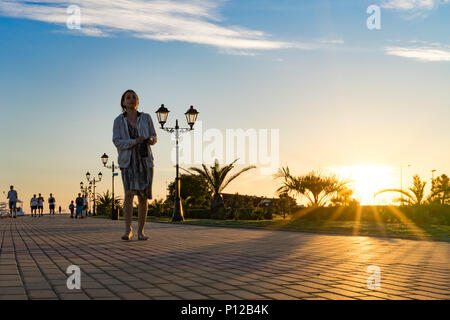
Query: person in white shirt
point(33, 205)
point(51, 203)
point(40, 205)
point(12, 196)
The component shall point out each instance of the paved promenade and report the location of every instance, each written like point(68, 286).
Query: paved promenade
point(195, 262)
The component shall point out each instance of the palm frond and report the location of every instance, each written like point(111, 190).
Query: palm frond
point(234, 176)
point(406, 193)
point(205, 175)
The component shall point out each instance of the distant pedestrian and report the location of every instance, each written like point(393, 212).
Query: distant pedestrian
point(85, 206)
point(12, 196)
point(80, 204)
point(72, 209)
point(40, 205)
point(51, 204)
point(33, 205)
point(59, 210)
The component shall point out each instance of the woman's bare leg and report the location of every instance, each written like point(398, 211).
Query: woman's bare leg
point(142, 212)
point(128, 211)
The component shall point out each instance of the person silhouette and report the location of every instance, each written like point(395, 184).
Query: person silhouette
point(79, 206)
point(40, 205)
point(72, 209)
point(33, 205)
point(51, 204)
point(12, 196)
point(85, 206)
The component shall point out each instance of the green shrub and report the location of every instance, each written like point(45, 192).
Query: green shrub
point(268, 214)
point(246, 214)
point(220, 214)
point(229, 214)
point(432, 214)
point(419, 214)
point(106, 211)
point(259, 212)
point(197, 214)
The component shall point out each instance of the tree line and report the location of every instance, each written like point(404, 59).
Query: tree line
point(202, 189)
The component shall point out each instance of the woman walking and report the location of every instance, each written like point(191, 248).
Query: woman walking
point(133, 134)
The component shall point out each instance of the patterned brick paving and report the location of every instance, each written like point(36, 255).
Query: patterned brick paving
point(196, 262)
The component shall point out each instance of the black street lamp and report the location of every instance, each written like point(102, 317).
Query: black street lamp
point(104, 158)
point(93, 181)
point(83, 189)
point(89, 197)
point(191, 117)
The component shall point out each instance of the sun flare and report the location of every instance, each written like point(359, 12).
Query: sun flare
point(368, 179)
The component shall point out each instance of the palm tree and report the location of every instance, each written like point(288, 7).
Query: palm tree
point(344, 198)
point(104, 204)
point(316, 188)
point(216, 179)
point(157, 206)
point(440, 190)
point(290, 184)
point(416, 193)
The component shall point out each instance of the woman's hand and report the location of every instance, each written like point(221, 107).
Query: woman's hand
point(152, 140)
point(140, 140)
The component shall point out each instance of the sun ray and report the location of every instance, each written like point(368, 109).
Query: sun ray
point(336, 214)
point(380, 223)
point(357, 221)
point(408, 223)
point(303, 212)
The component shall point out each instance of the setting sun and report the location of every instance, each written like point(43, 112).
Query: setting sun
point(368, 179)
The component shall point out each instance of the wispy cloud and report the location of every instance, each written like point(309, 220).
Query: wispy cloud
point(412, 4)
point(412, 9)
point(332, 41)
point(408, 4)
point(422, 51)
point(195, 21)
point(192, 21)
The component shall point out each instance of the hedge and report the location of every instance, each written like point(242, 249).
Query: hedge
point(420, 214)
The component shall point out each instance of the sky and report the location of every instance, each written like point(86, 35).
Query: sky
point(344, 93)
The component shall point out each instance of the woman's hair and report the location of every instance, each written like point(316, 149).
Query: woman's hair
point(123, 98)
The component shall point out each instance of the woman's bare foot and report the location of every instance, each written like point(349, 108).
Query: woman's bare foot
point(127, 236)
point(142, 237)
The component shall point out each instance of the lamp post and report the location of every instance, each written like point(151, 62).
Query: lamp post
point(82, 188)
point(89, 198)
point(104, 158)
point(191, 117)
point(93, 181)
